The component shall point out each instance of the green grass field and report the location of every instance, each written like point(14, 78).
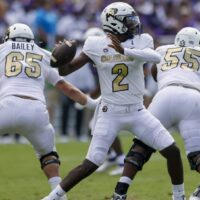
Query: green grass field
point(22, 179)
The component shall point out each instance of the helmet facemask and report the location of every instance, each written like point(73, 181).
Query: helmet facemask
point(132, 23)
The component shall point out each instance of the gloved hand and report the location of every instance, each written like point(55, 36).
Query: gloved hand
point(91, 103)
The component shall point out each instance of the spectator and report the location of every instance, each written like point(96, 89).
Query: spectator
point(46, 22)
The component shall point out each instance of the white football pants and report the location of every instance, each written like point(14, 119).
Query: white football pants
point(29, 118)
point(179, 106)
point(110, 119)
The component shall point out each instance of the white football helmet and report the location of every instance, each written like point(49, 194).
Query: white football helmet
point(94, 31)
point(187, 37)
point(120, 18)
point(19, 32)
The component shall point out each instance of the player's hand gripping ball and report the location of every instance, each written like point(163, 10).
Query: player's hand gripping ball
point(63, 53)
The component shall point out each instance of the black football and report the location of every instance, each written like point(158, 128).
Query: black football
point(63, 53)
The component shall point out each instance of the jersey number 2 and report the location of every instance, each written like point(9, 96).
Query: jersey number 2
point(122, 71)
point(14, 64)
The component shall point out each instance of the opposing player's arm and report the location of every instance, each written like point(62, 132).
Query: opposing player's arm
point(75, 94)
point(74, 65)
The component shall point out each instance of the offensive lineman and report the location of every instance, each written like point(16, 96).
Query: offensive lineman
point(178, 77)
point(177, 101)
point(24, 69)
point(121, 108)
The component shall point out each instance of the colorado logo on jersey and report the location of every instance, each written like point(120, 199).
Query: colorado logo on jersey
point(116, 58)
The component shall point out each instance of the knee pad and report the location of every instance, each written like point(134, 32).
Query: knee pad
point(97, 155)
point(194, 160)
point(139, 154)
point(49, 158)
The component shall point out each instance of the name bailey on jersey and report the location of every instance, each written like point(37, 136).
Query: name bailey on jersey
point(22, 46)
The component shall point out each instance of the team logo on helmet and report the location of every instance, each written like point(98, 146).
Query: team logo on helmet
point(111, 12)
point(182, 43)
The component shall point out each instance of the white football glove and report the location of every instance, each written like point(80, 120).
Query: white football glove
point(78, 106)
point(91, 103)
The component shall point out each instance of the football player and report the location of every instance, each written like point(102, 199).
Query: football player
point(119, 57)
point(177, 102)
point(115, 155)
point(24, 69)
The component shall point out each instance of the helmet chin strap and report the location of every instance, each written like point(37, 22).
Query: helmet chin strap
point(129, 35)
point(121, 37)
point(110, 30)
point(124, 37)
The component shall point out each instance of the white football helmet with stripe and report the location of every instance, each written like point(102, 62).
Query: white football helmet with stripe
point(187, 37)
point(19, 32)
point(120, 18)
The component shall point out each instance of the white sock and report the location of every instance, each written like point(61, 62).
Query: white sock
point(54, 181)
point(178, 190)
point(56, 193)
point(125, 179)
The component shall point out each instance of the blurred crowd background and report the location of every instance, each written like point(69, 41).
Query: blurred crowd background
point(53, 20)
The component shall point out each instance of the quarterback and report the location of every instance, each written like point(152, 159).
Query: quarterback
point(24, 69)
point(119, 57)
